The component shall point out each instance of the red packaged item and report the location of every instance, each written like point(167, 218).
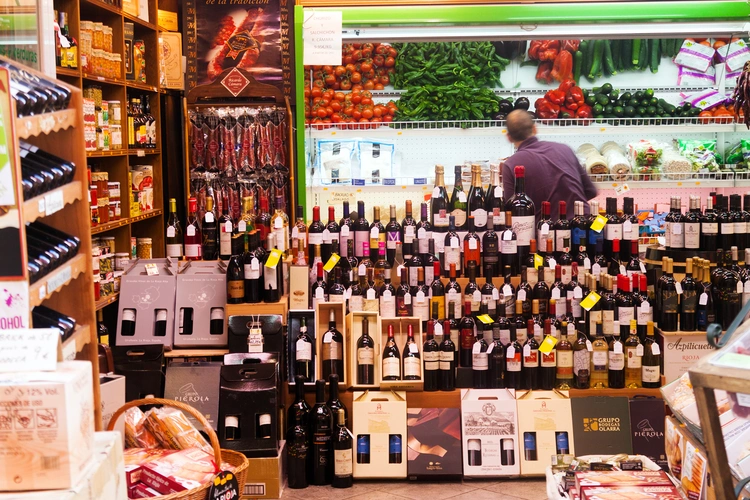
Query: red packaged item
point(140, 490)
point(134, 460)
point(180, 471)
point(622, 478)
point(630, 493)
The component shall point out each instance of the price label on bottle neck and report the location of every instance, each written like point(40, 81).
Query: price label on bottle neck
point(598, 223)
point(655, 350)
point(486, 319)
point(273, 259)
point(331, 263)
point(589, 347)
point(548, 344)
point(590, 301)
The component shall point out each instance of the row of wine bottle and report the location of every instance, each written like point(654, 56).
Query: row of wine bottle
point(35, 95)
point(44, 317)
point(41, 171)
point(48, 248)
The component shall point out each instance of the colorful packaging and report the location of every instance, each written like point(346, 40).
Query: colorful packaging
point(621, 478)
point(631, 493)
point(180, 471)
point(694, 55)
point(693, 77)
point(736, 54)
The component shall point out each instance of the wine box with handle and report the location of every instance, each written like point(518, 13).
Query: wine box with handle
point(356, 356)
point(400, 329)
point(195, 383)
point(142, 368)
point(256, 333)
point(380, 435)
point(248, 409)
point(489, 430)
point(434, 443)
point(251, 359)
point(601, 425)
point(47, 427)
point(294, 322)
point(146, 310)
point(200, 301)
point(545, 429)
point(324, 348)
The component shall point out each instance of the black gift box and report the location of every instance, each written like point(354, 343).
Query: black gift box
point(197, 384)
point(142, 368)
point(434, 443)
point(601, 425)
point(248, 409)
point(647, 426)
point(271, 329)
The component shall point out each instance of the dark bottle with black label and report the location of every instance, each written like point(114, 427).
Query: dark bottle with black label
point(321, 470)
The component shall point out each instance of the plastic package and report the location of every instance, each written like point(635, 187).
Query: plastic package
point(691, 77)
point(375, 161)
point(593, 162)
point(173, 430)
point(335, 159)
point(645, 158)
point(736, 54)
point(706, 99)
point(675, 166)
point(617, 161)
point(694, 55)
point(136, 434)
point(701, 154)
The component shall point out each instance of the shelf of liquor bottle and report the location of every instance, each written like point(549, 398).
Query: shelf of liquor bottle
point(281, 307)
point(140, 86)
point(52, 201)
point(107, 154)
point(67, 71)
point(105, 301)
point(143, 152)
point(76, 342)
point(628, 393)
point(103, 228)
point(57, 279)
point(195, 353)
point(30, 126)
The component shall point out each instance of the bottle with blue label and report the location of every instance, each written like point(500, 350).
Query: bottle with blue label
point(394, 448)
point(529, 446)
point(363, 449)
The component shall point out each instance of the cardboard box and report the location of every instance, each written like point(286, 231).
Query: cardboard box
point(694, 469)
point(112, 389)
point(196, 384)
point(681, 351)
point(142, 368)
point(601, 425)
point(621, 478)
point(353, 333)
point(400, 334)
point(380, 434)
point(46, 427)
point(167, 20)
point(268, 476)
point(299, 287)
point(489, 432)
point(130, 6)
point(149, 301)
point(647, 428)
point(322, 321)
point(631, 493)
point(256, 333)
point(172, 67)
point(101, 479)
point(674, 444)
point(294, 320)
point(545, 429)
point(434, 443)
point(201, 293)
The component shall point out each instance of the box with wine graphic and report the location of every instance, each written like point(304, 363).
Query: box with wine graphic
point(489, 432)
point(302, 351)
point(379, 429)
point(201, 296)
point(147, 304)
point(331, 343)
point(545, 429)
point(362, 364)
point(434, 443)
point(404, 371)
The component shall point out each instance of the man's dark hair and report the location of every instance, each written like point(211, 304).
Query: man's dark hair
point(520, 125)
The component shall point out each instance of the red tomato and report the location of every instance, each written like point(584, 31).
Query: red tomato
point(367, 113)
point(377, 111)
point(392, 52)
point(369, 85)
point(356, 77)
point(335, 118)
point(357, 55)
point(387, 118)
point(385, 80)
point(378, 61)
point(328, 94)
point(379, 86)
point(366, 101)
point(339, 71)
point(346, 84)
point(330, 80)
point(339, 96)
point(336, 105)
point(321, 112)
point(356, 115)
point(389, 62)
point(366, 66)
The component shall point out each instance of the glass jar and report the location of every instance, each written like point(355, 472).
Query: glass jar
point(103, 205)
point(107, 287)
point(105, 264)
point(95, 256)
point(122, 260)
point(117, 278)
point(97, 287)
point(98, 36)
point(115, 112)
point(108, 242)
point(114, 210)
point(144, 248)
point(107, 38)
point(133, 247)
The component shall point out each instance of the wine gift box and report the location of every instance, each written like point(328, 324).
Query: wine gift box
point(601, 425)
point(293, 321)
point(200, 299)
point(545, 429)
point(322, 320)
point(299, 287)
point(142, 368)
point(489, 432)
point(647, 427)
point(248, 409)
point(195, 383)
point(379, 434)
point(434, 443)
point(47, 426)
point(255, 334)
point(400, 328)
point(353, 333)
point(146, 309)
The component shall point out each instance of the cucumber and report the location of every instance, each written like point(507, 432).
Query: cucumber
point(596, 65)
point(643, 58)
point(585, 49)
point(664, 46)
point(677, 46)
point(626, 50)
point(609, 63)
point(577, 65)
point(655, 56)
point(635, 56)
point(616, 54)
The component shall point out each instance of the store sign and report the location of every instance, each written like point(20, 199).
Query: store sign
point(321, 33)
point(235, 82)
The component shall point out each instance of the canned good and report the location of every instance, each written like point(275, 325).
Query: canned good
point(121, 261)
point(144, 248)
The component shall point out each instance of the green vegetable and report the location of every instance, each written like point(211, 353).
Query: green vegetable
point(629, 110)
point(636, 52)
point(606, 88)
point(577, 65)
point(626, 50)
point(643, 57)
point(655, 57)
point(451, 102)
point(618, 111)
point(598, 109)
point(648, 93)
point(590, 100)
point(626, 97)
point(602, 99)
point(616, 54)
point(596, 65)
point(588, 56)
point(609, 63)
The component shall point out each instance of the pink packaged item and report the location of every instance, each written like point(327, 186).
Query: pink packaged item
point(695, 56)
point(140, 490)
point(690, 77)
point(736, 54)
point(180, 471)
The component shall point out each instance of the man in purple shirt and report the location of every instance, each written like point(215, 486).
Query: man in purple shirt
point(553, 172)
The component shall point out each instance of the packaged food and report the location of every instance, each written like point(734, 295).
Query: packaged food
point(136, 434)
point(645, 157)
point(694, 55)
point(593, 161)
point(173, 430)
point(701, 154)
point(706, 99)
point(135, 458)
point(735, 55)
point(631, 493)
point(675, 166)
point(375, 161)
point(335, 161)
point(622, 478)
point(184, 470)
point(692, 77)
point(617, 161)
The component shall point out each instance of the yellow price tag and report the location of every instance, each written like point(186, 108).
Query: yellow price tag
point(538, 261)
point(599, 223)
point(548, 344)
point(590, 300)
point(274, 258)
point(331, 263)
point(486, 319)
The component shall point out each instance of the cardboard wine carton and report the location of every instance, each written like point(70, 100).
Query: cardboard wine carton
point(379, 434)
point(545, 429)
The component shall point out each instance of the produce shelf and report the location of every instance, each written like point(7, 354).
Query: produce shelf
point(30, 126)
point(54, 281)
point(76, 342)
point(51, 202)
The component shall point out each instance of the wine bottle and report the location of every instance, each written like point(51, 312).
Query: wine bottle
point(692, 224)
point(393, 236)
point(334, 403)
point(193, 238)
point(479, 359)
point(579, 228)
point(387, 295)
point(174, 232)
point(273, 279)
point(377, 235)
point(669, 301)
point(496, 355)
point(439, 205)
point(452, 248)
point(424, 232)
point(562, 230)
point(298, 412)
point(513, 362)
point(280, 226)
point(320, 433)
point(391, 358)
point(209, 245)
point(447, 360)
point(688, 299)
point(564, 369)
point(235, 281)
point(333, 349)
point(490, 294)
point(297, 439)
point(331, 235)
point(599, 360)
point(303, 352)
point(226, 228)
point(582, 358)
point(314, 233)
point(365, 356)
point(472, 245)
point(545, 228)
point(467, 331)
point(476, 199)
point(633, 355)
point(459, 202)
point(472, 293)
point(509, 246)
point(342, 454)
point(411, 361)
point(421, 299)
point(522, 212)
point(726, 223)
point(491, 248)
point(253, 269)
point(431, 354)
point(650, 374)
point(493, 199)
point(361, 231)
point(319, 289)
point(616, 360)
point(530, 360)
point(709, 227)
point(548, 362)
point(437, 292)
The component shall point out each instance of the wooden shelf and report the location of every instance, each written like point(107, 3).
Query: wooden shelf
point(102, 79)
point(30, 126)
point(51, 202)
point(68, 71)
point(143, 152)
point(105, 6)
point(104, 302)
point(103, 228)
point(628, 393)
point(76, 342)
point(107, 154)
point(57, 279)
point(195, 353)
point(141, 86)
point(138, 20)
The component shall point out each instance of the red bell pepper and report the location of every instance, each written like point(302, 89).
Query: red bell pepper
point(567, 85)
point(569, 45)
point(544, 72)
point(555, 96)
point(575, 94)
point(562, 68)
point(544, 50)
point(546, 109)
point(584, 111)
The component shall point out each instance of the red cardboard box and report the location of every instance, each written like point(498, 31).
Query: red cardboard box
point(630, 493)
point(140, 490)
point(621, 478)
point(134, 460)
point(180, 471)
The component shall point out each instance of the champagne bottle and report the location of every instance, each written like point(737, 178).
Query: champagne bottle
point(235, 281)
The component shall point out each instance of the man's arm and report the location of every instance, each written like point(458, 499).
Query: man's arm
point(588, 187)
point(509, 182)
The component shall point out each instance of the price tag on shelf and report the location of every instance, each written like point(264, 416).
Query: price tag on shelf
point(599, 223)
point(27, 349)
point(152, 270)
point(53, 202)
point(141, 153)
point(273, 259)
point(621, 189)
point(590, 300)
point(42, 292)
point(58, 280)
point(548, 344)
point(331, 263)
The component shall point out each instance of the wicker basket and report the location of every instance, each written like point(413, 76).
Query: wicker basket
point(237, 460)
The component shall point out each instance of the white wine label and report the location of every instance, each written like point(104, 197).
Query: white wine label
point(524, 229)
point(625, 314)
point(387, 305)
point(192, 250)
point(304, 351)
point(526, 351)
point(650, 374)
point(510, 247)
point(315, 239)
point(616, 361)
point(407, 298)
point(496, 295)
point(374, 233)
point(412, 367)
point(413, 348)
point(565, 359)
point(365, 356)
point(555, 293)
point(599, 358)
point(480, 217)
point(510, 352)
point(479, 361)
point(391, 367)
point(634, 360)
point(342, 462)
point(678, 287)
point(327, 238)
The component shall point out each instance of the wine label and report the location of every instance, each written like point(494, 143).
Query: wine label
point(236, 289)
point(560, 236)
point(332, 350)
point(314, 239)
point(412, 367)
point(613, 231)
point(192, 250)
point(608, 322)
point(479, 361)
point(599, 360)
point(616, 361)
point(581, 361)
point(509, 246)
point(388, 306)
point(549, 360)
point(342, 462)
point(392, 238)
point(692, 235)
point(304, 350)
point(727, 228)
point(634, 360)
point(225, 243)
point(530, 357)
point(480, 217)
point(365, 356)
point(740, 227)
point(650, 374)
point(565, 361)
point(446, 360)
point(625, 314)
point(174, 250)
point(460, 216)
point(431, 361)
point(391, 367)
point(523, 226)
point(356, 303)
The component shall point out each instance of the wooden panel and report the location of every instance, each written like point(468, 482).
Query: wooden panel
point(281, 307)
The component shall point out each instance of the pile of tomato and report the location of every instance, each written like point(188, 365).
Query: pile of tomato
point(368, 64)
point(357, 106)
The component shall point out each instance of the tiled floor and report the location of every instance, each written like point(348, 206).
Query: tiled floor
point(492, 489)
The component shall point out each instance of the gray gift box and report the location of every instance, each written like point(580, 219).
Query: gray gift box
point(201, 297)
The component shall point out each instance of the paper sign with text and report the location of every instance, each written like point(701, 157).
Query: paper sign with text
point(321, 33)
point(27, 349)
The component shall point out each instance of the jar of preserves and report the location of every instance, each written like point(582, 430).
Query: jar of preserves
point(105, 264)
point(107, 287)
point(107, 38)
point(114, 191)
point(115, 113)
point(97, 287)
point(114, 210)
point(108, 242)
point(144, 248)
point(98, 40)
point(122, 260)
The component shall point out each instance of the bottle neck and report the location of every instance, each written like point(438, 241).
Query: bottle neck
point(520, 187)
